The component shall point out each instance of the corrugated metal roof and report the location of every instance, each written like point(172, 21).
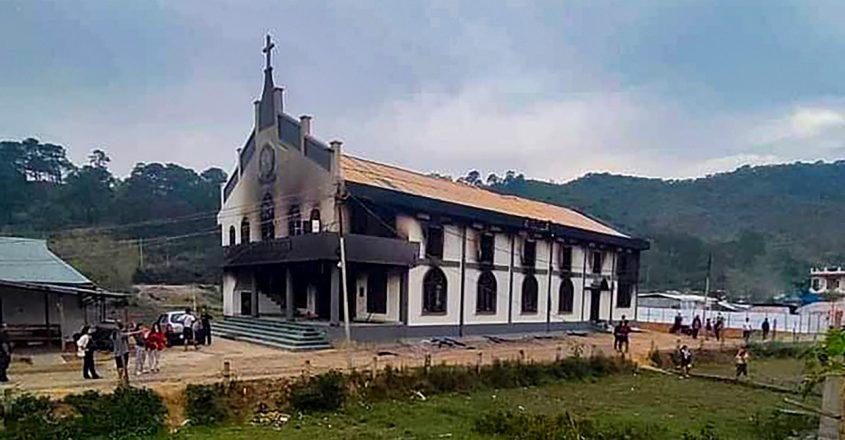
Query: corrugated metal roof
point(29, 260)
point(393, 178)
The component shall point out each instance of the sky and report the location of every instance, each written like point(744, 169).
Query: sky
point(551, 89)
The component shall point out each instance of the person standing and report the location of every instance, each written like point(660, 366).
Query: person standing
point(625, 335)
point(154, 345)
point(685, 355)
point(5, 352)
point(617, 337)
point(205, 319)
point(765, 327)
point(188, 328)
point(139, 334)
point(718, 326)
point(696, 326)
point(708, 328)
point(120, 350)
point(85, 349)
point(679, 322)
point(746, 330)
point(741, 362)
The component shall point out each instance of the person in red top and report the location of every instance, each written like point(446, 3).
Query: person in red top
point(154, 344)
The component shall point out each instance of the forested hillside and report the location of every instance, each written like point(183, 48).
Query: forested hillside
point(764, 226)
point(156, 225)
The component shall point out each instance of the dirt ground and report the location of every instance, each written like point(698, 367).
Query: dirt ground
point(59, 375)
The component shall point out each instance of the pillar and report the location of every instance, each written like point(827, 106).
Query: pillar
point(403, 296)
point(288, 294)
point(335, 295)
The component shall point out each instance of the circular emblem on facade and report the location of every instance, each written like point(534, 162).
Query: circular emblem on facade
point(267, 164)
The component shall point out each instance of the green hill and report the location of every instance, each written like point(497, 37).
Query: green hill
point(765, 226)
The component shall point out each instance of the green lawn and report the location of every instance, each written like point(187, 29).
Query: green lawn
point(783, 372)
point(677, 404)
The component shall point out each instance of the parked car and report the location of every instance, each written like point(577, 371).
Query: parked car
point(171, 325)
point(102, 337)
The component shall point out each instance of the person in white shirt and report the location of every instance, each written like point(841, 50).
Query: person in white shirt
point(746, 330)
point(188, 328)
point(85, 350)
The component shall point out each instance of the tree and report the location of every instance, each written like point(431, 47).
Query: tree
point(98, 158)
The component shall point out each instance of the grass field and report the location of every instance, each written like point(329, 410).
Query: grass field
point(678, 405)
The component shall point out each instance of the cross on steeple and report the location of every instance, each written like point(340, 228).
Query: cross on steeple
point(268, 47)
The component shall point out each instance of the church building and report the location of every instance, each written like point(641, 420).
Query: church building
point(424, 255)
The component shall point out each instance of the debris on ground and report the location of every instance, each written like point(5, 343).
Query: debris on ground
point(581, 333)
point(386, 353)
point(273, 419)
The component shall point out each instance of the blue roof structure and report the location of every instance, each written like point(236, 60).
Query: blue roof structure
point(29, 260)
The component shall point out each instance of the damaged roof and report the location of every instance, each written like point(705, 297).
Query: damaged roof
point(393, 178)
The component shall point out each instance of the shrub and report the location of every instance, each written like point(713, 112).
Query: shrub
point(521, 426)
point(125, 413)
point(324, 392)
point(779, 426)
point(215, 404)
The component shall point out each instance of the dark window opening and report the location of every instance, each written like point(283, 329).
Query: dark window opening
point(597, 261)
point(529, 294)
point(232, 238)
point(529, 253)
point(434, 242)
point(268, 217)
point(565, 260)
point(367, 219)
point(294, 221)
point(486, 250)
point(313, 224)
point(486, 302)
point(623, 295)
point(245, 231)
point(817, 284)
point(566, 296)
point(434, 291)
point(377, 292)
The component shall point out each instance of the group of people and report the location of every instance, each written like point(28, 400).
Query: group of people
point(145, 344)
point(684, 358)
point(711, 327)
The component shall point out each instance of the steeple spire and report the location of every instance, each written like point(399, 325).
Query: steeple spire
point(271, 97)
point(268, 48)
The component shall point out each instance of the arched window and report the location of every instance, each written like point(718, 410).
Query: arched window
point(434, 291)
point(566, 296)
point(313, 224)
point(245, 230)
point(486, 302)
point(268, 217)
point(232, 240)
point(294, 221)
point(529, 294)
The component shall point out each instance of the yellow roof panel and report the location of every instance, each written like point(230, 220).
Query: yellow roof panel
point(393, 178)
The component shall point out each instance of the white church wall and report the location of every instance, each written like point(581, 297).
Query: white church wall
point(415, 298)
point(471, 315)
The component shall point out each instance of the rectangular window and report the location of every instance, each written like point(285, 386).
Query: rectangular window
point(597, 261)
point(529, 253)
point(565, 259)
point(623, 295)
point(434, 242)
point(486, 248)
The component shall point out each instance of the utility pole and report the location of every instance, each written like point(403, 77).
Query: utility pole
point(141, 252)
point(707, 285)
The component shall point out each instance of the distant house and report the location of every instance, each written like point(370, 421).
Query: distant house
point(684, 301)
point(827, 279)
point(43, 299)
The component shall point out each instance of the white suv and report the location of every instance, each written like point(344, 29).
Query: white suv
point(171, 325)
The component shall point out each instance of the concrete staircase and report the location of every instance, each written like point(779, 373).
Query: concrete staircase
point(286, 335)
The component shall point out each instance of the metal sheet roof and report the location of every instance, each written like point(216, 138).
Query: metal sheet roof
point(389, 177)
point(29, 260)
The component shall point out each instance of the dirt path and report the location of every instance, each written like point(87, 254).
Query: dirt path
point(249, 361)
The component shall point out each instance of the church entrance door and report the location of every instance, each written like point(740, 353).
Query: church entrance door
point(246, 303)
point(595, 304)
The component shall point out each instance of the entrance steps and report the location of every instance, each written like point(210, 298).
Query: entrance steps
point(286, 335)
